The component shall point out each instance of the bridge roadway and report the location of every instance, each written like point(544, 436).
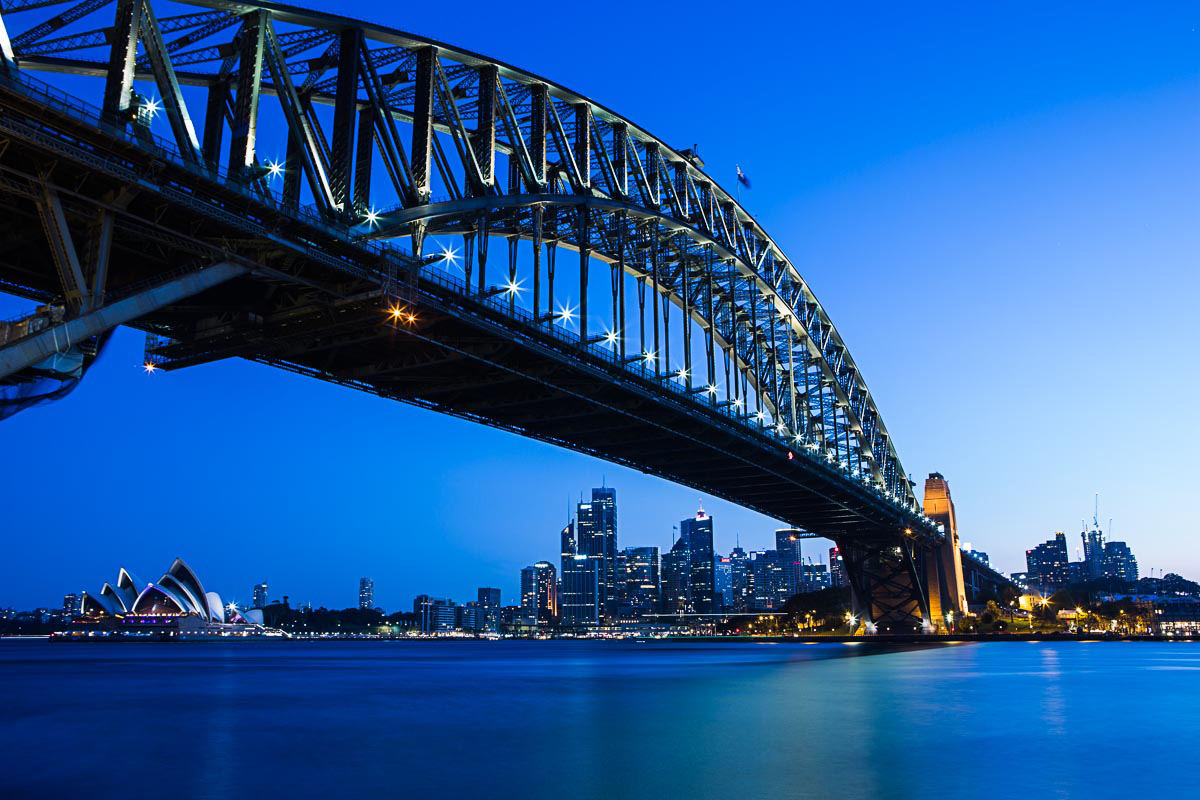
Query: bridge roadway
point(101, 218)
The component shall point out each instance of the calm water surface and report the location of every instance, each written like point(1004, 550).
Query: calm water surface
point(584, 720)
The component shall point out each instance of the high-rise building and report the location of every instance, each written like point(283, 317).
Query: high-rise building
point(739, 580)
point(837, 569)
point(688, 570)
point(787, 544)
point(489, 606)
point(581, 591)
point(768, 580)
point(723, 581)
point(642, 581)
point(1047, 564)
point(1119, 562)
point(72, 606)
point(366, 594)
point(816, 577)
point(1093, 551)
point(260, 595)
point(430, 611)
point(539, 592)
point(596, 538)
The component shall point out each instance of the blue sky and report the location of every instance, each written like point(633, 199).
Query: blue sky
point(996, 203)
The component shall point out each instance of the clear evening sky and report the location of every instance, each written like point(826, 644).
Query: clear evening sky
point(998, 204)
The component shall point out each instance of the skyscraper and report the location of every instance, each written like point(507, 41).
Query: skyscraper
point(723, 581)
point(738, 579)
point(768, 580)
point(787, 544)
point(642, 581)
point(596, 538)
point(688, 570)
point(260, 595)
point(489, 607)
point(1119, 562)
point(71, 605)
point(837, 570)
point(366, 594)
point(539, 592)
point(579, 591)
point(1046, 564)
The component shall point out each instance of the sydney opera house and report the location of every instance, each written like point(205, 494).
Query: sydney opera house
point(174, 606)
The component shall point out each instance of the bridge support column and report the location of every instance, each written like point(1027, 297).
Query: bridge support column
point(940, 508)
point(886, 584)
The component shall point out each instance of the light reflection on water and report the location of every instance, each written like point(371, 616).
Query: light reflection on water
point(595, 720)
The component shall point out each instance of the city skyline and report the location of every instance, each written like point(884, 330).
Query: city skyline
point(913, 196)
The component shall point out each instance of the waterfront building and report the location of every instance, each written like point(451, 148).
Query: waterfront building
point(642, 581)
point(723, 582)
point(787, 545)
point(539, 592)
point(175, 604)
point(738, 580)
point(1047, 564)
point(676, 569)
point(837, 570)
point(429, 611)
point(366, 594)
point(596, 538)
point(488, 600)
point(580, 591)
point(768, 580)
point(259, 593)
point(72, 605)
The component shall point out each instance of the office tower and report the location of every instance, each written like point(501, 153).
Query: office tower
point(1047, 563)
point(816, 577)
point(787, 545)
point(260, 595)
point(642, 590)
point(723, 581)
point(596, 538)
point(579, 592)
point(688, 570)
point(737, 559)
point(837, 570)
point(979, 556)
point(768, 580)
point(1119, 562)
point(433, 612)
point(489, 608)
point(366, 594)
point(539, 592)
point(72, 606)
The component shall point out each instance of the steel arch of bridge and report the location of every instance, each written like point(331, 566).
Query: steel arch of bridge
point(427, 140)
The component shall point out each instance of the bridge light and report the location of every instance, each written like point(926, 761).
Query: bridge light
point(712, 390)
point(760, 416)
point(791, 455)
point(566, 314)
point(450, 254)
point(648, 357)
point(274, 169)
point(737, 403)
point(513, 287)
point(372, 217)
point(682, 374)
point(150, 367)
point(152, 107)
point(611, 337)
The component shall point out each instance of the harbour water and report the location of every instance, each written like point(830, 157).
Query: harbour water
point(590, 720)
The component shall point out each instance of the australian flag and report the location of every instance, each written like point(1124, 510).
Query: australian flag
point(742, 179)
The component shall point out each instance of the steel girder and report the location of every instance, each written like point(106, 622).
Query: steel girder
point(514, 156)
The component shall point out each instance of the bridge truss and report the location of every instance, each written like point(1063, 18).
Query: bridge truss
point(269, 226)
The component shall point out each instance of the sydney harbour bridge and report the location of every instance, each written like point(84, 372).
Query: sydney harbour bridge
point(394, 214)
